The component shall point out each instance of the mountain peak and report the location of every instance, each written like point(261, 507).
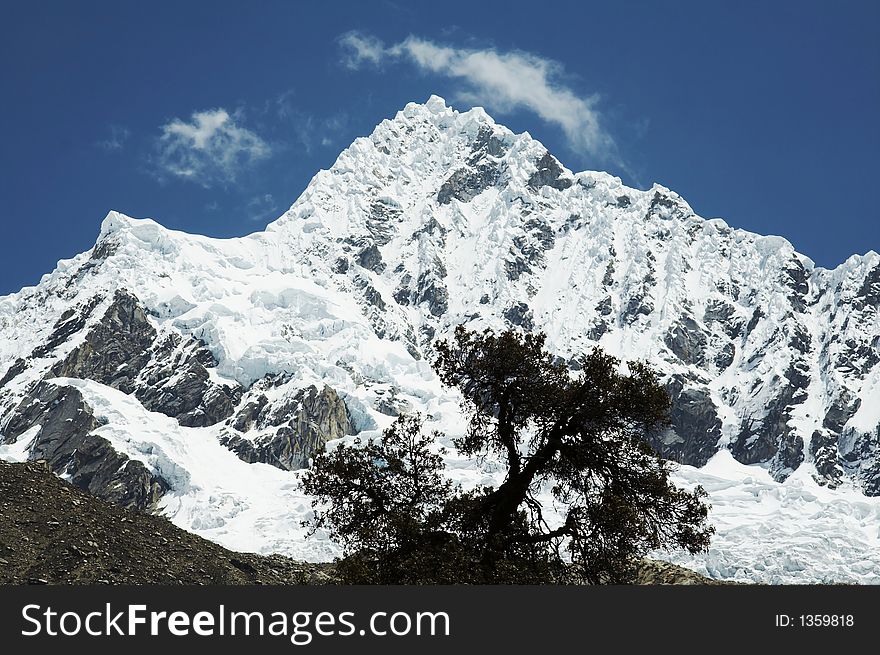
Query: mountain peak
point(438, 218)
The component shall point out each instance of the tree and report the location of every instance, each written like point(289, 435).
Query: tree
point(580, 435)
point(388, 506)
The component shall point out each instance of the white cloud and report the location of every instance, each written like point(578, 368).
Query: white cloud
point(503, 81)
point(116, 140)
point(212, 148)
point(358, 48)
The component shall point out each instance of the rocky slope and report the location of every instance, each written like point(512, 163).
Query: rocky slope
point(322, 325)
point(51, 532)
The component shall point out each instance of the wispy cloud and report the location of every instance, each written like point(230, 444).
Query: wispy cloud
point(262, 207)
point(212, 148)
point(502, 81)
point(308, 130)
point(359, 48)
point(311, 131)
point(116, 139)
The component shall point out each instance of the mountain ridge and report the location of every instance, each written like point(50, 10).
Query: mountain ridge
point(321, 325)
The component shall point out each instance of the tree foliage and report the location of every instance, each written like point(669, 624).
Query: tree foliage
point(579, 435)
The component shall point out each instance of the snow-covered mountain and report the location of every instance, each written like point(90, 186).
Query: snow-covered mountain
point(165, 371)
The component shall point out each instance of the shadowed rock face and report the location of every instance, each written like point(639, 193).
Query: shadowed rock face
point(687, 341)
point(65, 441)
point(304, 422)
point(176, 383)
point(467, 184)
point(116, 349)
point(483, 171)
point(168, 374)
point(696, 427)
point(771, 439)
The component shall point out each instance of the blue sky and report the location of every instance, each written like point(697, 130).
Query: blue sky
point(212, 117)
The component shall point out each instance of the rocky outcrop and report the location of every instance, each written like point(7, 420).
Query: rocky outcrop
point(116, 349)
point(290, 431)
point(695, 427)
point(860, 457)
point(176, 383)
point(484, 170)
point(167, 373)
point(687, 341)
point(520, 315)
point(466, 184)
point(548, 173)
point(65, 441)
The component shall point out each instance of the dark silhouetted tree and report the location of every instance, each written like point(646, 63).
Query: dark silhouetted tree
point(579, 435)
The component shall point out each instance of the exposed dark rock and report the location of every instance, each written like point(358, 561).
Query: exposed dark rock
point(665, 206)
point(341, 265)
point(868, 294)
point(597, 329)
point(548, 173)
point(841, 410)
point(528, 249)
point(516, 265)
point(608, 278)
point(696, 428)
point(71, 321)
point(104, 249)
point(860, 458)
point(304, 422)
point(800, 339)
point(392, 405)
point(17, 368)
point(465, 184)
point(789, 455)
point(604, 307)
point(662, 200)
point(623, 202)
point(167, 375)
point(176, 383)
point(771, 438)
point(402, 296)
point(433, 291)
point(371, 259)
point(379, 221)
point(757, 315)
point(723, 314)
point(858, 357)
point(753, 445)
point(520, 315)
point(725, 356)
point(823, 448)
point(797, 279)
point(370, 293)
point(687, 341)
point(115, 349)
point(432, 226)
point(486, 143)
point(65, 441)
point(249, 413)
point(637, 305)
